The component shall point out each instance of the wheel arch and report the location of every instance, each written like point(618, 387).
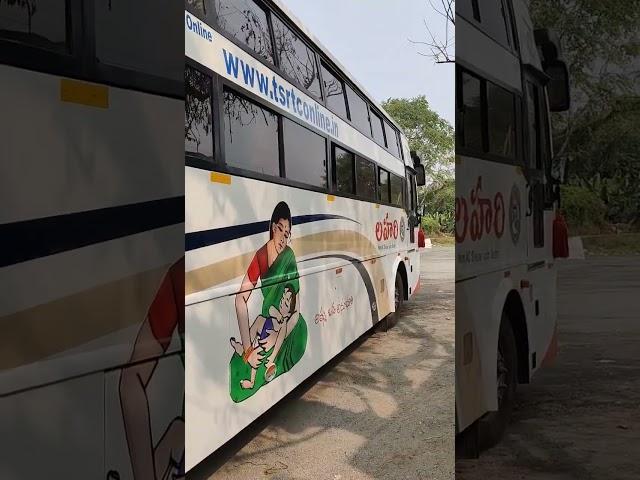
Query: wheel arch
point(402, 271)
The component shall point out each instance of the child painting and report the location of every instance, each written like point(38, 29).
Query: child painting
point(267, 333)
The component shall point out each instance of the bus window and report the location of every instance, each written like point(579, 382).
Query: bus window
point(198, 123)
point(365, 179)
point(396, 190)
point(334, 91)
point(501, 121)
point(358, 112)
point(296, 59)
point(494, 20)
point(118, 21)
point(246, 22)
point(471, 115)
point(383, 186)
point(305, 154)
point(250, 136)
point(343, 170)
point(392, 139)
point(377, 129)
point(43, 27)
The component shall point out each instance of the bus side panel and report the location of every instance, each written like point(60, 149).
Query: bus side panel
point(335, 308)
point(40, 428)
point(165, 400)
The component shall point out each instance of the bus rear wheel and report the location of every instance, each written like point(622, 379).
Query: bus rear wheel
point(492, 426)
point(398, 301)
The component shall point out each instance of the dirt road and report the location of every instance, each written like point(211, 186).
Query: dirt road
point(581, 418)
point(384, 410)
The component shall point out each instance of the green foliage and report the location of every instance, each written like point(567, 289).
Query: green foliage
point(438, 199)
point(599, 138)
point(582, 208)
point(429, 135)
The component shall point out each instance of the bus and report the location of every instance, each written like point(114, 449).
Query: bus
point(301, 216)
point(92, 239)
point(509, 77)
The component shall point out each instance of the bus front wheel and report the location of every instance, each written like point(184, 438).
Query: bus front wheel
point(492, 426)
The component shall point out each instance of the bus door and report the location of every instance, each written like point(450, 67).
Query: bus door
point(536, 145)
point(412, 207)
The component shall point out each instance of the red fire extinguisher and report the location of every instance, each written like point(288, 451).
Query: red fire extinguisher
point(560, 237)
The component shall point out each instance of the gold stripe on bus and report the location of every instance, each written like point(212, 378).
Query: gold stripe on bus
point(215, 274)
point(51, 328)
point(82, 93)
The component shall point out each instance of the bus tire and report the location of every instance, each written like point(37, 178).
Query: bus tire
point(492, 426)
point(398, 300)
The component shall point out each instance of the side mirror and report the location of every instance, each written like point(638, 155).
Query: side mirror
point(558, 86)
point(420, 175)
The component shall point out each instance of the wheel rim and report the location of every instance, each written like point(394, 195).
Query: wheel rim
point(503, 377)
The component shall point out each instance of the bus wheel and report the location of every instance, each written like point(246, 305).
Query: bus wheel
point(492, 426)
point(398, 301)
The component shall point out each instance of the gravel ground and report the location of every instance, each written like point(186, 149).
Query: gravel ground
point(382, 410)
point(581, 418)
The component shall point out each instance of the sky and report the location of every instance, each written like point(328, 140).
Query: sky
point(371, 40)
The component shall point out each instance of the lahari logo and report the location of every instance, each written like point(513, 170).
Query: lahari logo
point(386, 229)
point(402, 228)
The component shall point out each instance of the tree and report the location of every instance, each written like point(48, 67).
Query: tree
point(596, 137)
point(442, 49)
point(433, 139)
point(429, 135)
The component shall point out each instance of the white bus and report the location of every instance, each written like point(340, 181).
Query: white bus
point(92, 219)
point(301, 222)
point(508, 79)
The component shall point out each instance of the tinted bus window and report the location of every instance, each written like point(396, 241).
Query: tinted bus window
point(383, 186)
point(392, 139)
point(366, 179)
point(343, 170)
point(198, 123)
point(501, 121)
point(297, 60)
point(40, 24)
point(396, 190)
point(250, 136)
point(493, 19)
point(533, 125)
point(246, 22)
point(358, 112)
point(377, 128)
point(471, 112)
point(305, 155)
point(118, 21)
point(334, 92)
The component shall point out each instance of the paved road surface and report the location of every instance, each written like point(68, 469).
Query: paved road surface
point(385, 410)
point(581, 418)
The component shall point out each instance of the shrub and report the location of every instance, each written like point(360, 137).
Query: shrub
point(583, 209)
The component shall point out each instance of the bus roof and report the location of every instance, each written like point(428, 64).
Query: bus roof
point(336, 62)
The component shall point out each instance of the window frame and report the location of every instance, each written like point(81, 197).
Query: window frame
point(518, 158)
point(402, 190)
point(375, 183)
point(325, 65)
point(80, 63)
point(283, 153)
point(379, 184)
point(366, 103)
point(334, 168)
point(303, 38)
point(374, 113)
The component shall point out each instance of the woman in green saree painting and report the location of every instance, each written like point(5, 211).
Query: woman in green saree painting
point(276, 340)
